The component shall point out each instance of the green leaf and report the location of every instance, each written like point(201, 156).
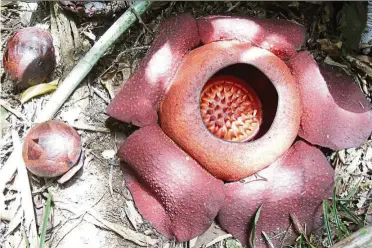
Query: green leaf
point(45, 220)
point(39, 89)
point(355, 218)
point(326, 222)
point(253, 232)
point(341, 228)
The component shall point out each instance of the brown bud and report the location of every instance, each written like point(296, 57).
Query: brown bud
point(29, 56)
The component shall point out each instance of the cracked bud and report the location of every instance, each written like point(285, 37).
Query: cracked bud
point(51, 148)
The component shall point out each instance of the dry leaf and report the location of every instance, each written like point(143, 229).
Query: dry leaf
point(38, 89)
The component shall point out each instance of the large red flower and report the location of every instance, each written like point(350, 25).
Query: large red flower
point(234, 106)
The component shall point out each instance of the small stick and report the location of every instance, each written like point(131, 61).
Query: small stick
point(27, 203)
point(18, 114)
point(83, 126)
point(218, 239)
point(68, 175)
point(84, 66)
point(110, 178)
point(361, 238)
point(128, 234)
point(140, 19)
point(6, 173)
point(101, 95)
point(5, 215)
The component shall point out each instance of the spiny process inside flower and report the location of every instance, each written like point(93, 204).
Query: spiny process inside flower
point(230, 109)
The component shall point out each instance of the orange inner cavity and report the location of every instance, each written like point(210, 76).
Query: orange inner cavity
point(230, 109)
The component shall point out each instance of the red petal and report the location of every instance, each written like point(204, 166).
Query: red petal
point(150, 208)
point(295, 184)
point(138, 99)
point(278, 36)
point(335, 112)
point(184, 197)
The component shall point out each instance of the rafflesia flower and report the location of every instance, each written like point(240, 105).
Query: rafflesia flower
point(232, 109)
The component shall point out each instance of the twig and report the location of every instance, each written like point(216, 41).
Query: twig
point(81, 217)
point(27, 204)
point(218, 239)
point(126, 233)
point(129, 50)
point(83, 162)
point(361, 238)
point(133, 216)
point(84, 126)
point(285, 235)
point(110, 178)
point(6, 173)
point(78, 214)
point(44, 187)
point(101, 95)
point(18, 114)
point(15, 219)
point(84, 66)
point(359, 65)
point(5, 215)
point(233, 7)
point(140, 19)
point(269, 242)
point(192, 242)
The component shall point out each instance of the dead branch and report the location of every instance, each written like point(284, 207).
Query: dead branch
point(361, 238)
point(27, 203)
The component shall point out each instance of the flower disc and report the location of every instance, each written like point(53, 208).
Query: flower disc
point(230, 109)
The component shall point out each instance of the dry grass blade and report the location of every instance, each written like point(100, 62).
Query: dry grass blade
point(132, 214)
point(359, 65)
point(361, 238)
point(268, 240)
point(218, 239)
point(6, 173)
point(296, 224)
point(7, 106)
point(14, 223)
point(300, 230)
point(68, 175)
point(83, 126)
point(126, 233)
point(192, 242)
point(27, 203)
point(96, 219)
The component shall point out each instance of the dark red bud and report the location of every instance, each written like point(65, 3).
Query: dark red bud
point(29, 56)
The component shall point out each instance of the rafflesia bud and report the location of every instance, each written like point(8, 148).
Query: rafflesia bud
point(51, 148)
point(29, 56)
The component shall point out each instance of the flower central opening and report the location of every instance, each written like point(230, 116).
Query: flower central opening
point(230, 109)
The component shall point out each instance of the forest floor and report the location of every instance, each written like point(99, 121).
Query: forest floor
point(99, 187)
